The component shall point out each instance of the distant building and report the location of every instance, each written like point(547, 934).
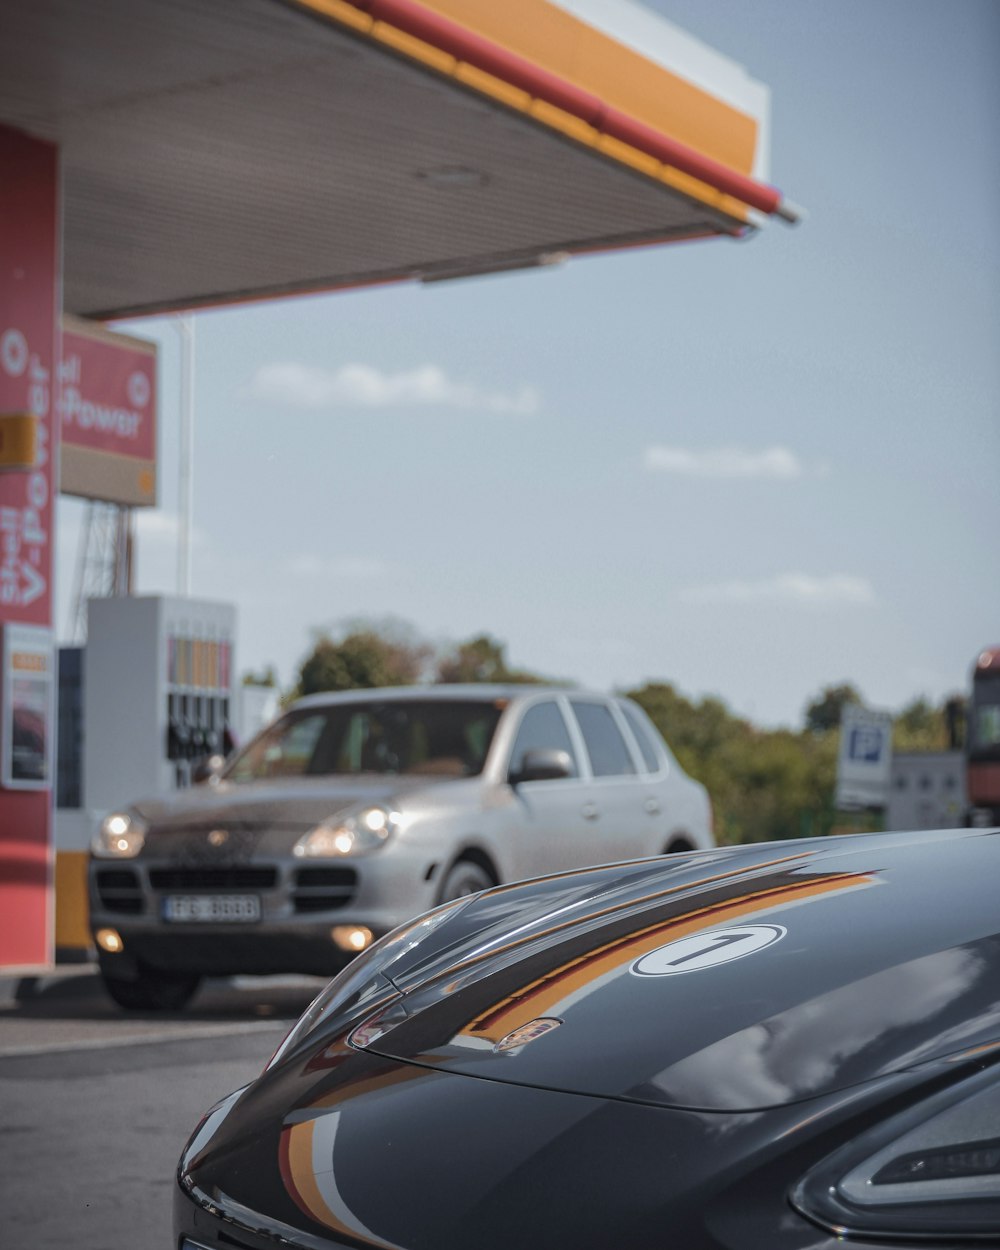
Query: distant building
point(927, 791)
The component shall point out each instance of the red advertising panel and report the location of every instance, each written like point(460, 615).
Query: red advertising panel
point(29, 331)
point(108, 409)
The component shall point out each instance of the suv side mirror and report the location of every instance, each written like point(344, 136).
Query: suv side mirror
point(543, 765)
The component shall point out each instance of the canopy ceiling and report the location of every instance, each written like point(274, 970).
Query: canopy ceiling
point(216, 151)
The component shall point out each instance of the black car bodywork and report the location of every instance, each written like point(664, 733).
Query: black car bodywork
point(780, 1046)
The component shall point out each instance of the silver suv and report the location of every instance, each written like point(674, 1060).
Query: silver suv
point(352, 813)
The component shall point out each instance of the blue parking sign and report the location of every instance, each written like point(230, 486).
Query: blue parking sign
point(866, 743)
point(864, 759)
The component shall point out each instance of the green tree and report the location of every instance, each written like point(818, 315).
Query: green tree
point(825, 711)
point(924, 726)
point(763, 784)
point(480, 659)
point(363, 658)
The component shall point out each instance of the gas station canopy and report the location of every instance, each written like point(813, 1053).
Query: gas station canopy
point(157, 155)
point(219, 150)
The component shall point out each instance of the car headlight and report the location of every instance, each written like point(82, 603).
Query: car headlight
point(354, 833)
point(364, 987)
point(933, 1171)
point(120, 836)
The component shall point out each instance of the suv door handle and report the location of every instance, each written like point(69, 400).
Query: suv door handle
point(652, 806)
point(590, 811)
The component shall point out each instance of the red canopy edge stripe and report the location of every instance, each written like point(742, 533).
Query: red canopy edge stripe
point(416, 20)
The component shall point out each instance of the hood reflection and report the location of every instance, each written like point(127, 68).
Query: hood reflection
point(307, 1151)
point(584, 974)
point(310, 1176)
point(833, 1037)
point(847, 994)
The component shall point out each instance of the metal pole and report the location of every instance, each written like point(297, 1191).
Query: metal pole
point(185, 327)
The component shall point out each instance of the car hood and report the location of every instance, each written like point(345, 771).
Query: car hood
point(731, 980)
point(301, 801)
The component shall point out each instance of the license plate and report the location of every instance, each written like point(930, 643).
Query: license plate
point(211, 908)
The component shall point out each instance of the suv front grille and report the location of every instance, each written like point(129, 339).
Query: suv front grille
point(323, 889)
point(120, 890)
point(230, 878)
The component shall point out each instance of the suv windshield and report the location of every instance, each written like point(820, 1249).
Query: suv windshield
point(428, 737)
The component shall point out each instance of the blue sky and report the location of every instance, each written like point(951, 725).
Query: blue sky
point(750, 469)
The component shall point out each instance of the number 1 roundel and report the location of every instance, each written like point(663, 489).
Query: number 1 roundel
point(700, 951)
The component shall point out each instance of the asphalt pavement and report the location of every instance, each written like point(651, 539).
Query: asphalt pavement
point(96, 1103)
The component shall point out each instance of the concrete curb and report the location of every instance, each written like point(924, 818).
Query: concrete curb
point(21, 983)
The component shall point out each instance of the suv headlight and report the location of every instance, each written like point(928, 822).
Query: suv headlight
point(933, 1171)
point(355, 833)
point(120, 836)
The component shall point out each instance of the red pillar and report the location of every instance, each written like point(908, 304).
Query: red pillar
point(30, 298)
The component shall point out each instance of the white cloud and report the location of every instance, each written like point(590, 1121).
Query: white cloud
point(363, 386)
point(358, 568)
point(723, 462)
point(156, 526)
point(791, 588)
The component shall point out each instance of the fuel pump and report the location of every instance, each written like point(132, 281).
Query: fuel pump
point(158, 676)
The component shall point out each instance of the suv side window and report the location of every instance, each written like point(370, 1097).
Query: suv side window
point(640, 731)
point(609, 756)
point(542, 728)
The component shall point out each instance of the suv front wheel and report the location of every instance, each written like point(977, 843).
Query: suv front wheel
point(464, 878)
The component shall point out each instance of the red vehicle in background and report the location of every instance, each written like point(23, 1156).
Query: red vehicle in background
point(983, 741)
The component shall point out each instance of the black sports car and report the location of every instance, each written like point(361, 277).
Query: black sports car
point(783, 1046)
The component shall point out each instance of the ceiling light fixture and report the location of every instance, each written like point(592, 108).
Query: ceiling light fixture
point(479, 269)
